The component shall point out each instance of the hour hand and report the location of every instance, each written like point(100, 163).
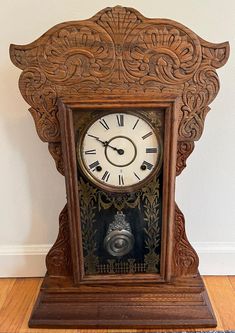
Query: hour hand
point(119, 151)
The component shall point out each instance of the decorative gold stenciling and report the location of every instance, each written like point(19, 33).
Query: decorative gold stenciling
point(119, 267)
point(152, 221)
point(148, 198)
point(87, 211)
point(156, 118)
point(130, 200)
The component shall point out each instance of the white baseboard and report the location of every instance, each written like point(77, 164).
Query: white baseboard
point(216, 258)
point(23, 260)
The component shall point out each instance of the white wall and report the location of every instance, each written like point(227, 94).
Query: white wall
point(32, 191)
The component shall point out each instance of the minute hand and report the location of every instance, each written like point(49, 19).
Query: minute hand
point(106, 144)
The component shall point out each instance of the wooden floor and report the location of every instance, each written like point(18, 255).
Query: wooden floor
point(17, 297)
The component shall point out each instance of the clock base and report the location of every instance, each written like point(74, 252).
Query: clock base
point(182, 303)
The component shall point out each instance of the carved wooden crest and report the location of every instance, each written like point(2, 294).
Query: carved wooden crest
point(120, 52)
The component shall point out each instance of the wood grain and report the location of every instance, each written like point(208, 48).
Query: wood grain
point(214, 304)
point(16, 304)
point(18, 295)
point(232, 282)
point(5, 287)
point(223, 298)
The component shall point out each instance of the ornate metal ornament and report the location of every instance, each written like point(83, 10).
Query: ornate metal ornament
point(119, 239)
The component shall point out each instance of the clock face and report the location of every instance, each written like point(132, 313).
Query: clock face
point(119, 151)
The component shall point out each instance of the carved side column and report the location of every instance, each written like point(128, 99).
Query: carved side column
point(185, 259)
point(58, 259)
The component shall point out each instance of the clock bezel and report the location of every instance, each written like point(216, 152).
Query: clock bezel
point(112, 188)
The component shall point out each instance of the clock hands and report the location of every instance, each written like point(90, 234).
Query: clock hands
point(106, 144)
point(119, 151)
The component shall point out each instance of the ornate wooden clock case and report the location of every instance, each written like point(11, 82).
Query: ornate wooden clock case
point(120, 99)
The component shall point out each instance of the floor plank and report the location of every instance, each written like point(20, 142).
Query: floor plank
point(213, 303)
point(5, 288)
point(16, 304)
point(223, 300)
point(232, 281)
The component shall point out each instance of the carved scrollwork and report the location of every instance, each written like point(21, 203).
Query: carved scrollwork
point(58, 259)
point(78, 53)
point(42, 97)
point(185, 258)
point(184, 149)
point(55, 150)
point(119, 51)
point(118, 22)
point(24, 56)
point(197, 95)
point(47, 125)
point(162, 53)
point(214, 55)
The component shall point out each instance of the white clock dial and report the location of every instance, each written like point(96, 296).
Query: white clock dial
point(120, 150)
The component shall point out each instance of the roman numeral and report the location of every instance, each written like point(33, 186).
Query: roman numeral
point(148, 165)
point(135, 124)
point(136, 176)
point(151, 150)
point(104, 124)
point(121, 180)
point(94, 165)
point(147, 135)
point(120, 119)
point(90, 152)
point(105, 176)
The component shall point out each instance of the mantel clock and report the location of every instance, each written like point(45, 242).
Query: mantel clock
point(120, 99)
